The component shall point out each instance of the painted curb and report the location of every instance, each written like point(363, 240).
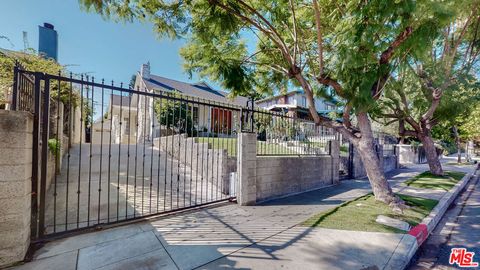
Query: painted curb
point(410, 243)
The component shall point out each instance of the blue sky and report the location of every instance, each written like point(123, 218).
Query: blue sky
point(109, 50)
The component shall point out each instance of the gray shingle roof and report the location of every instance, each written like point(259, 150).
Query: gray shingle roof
point(118, 100)
point(199, 90)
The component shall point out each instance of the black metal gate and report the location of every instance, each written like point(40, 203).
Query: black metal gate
point(103, 153)
point(346, 158)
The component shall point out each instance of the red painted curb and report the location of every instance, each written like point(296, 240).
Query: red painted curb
point(420, 232)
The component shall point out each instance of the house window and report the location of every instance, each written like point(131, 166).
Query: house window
point(195, 115)
point(304, 101)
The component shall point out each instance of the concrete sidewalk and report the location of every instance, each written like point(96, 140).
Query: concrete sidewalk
point(234, 237)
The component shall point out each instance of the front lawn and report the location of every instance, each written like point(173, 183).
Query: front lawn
point(230, 144)
point(361, 213)
point(430, 181)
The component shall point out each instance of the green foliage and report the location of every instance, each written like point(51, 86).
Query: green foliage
point(88, 112)
point(131, 84)
point(175, 115)
point(54, 147)
point(470, 126)
point(439, 65)
point(262, 121)
point(220, 34)
point(449, 147)
point(31, 62)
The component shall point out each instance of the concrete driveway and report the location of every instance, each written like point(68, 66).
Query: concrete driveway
point(101, 183)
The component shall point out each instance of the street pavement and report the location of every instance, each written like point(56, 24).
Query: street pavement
point(266, 236)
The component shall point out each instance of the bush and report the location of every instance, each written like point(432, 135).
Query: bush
point(448, 147)
point(54, 146)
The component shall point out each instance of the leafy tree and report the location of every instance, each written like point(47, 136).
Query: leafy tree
point(131, 84)
point(175, 115)
point(32, 62)
point(470, 128)
point(350, 47)
point(438, 84)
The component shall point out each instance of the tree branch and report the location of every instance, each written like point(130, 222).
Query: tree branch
point(388, 53)
point(275, 67)
point(449, 63)
point(402, 131)
point(319, 36)
point(279, 43)
point(385, 58)
point(319, 120)
point(295, 39)
point(346, 116)
point(272, 28)
point(327, 81)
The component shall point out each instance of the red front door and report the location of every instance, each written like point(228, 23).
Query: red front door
point(221, 120)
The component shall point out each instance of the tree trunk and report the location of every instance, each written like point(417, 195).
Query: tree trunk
point(459, 153)
point(432, 156)
point(458, 144)
point(371, 162)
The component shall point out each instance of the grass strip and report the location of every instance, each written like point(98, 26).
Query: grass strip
point(361, 213)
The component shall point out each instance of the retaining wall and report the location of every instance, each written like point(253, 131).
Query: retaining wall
point(212, 164)
point(390, 163)
point(275, 177)
point(262, 178)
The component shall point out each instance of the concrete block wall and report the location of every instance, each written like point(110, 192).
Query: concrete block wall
point(390, 163)
point(262, 178)
point(15, 185)
point(212, 164)
point(275, 177)
point(406, 154)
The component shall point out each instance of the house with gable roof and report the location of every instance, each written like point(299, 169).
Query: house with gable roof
point(133, 117)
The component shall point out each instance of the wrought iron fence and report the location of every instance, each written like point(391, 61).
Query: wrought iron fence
point(23, 91)
point(346, 157)
point(387, 141)
point(118, 154)
point(279, 134)
point(109, 153)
